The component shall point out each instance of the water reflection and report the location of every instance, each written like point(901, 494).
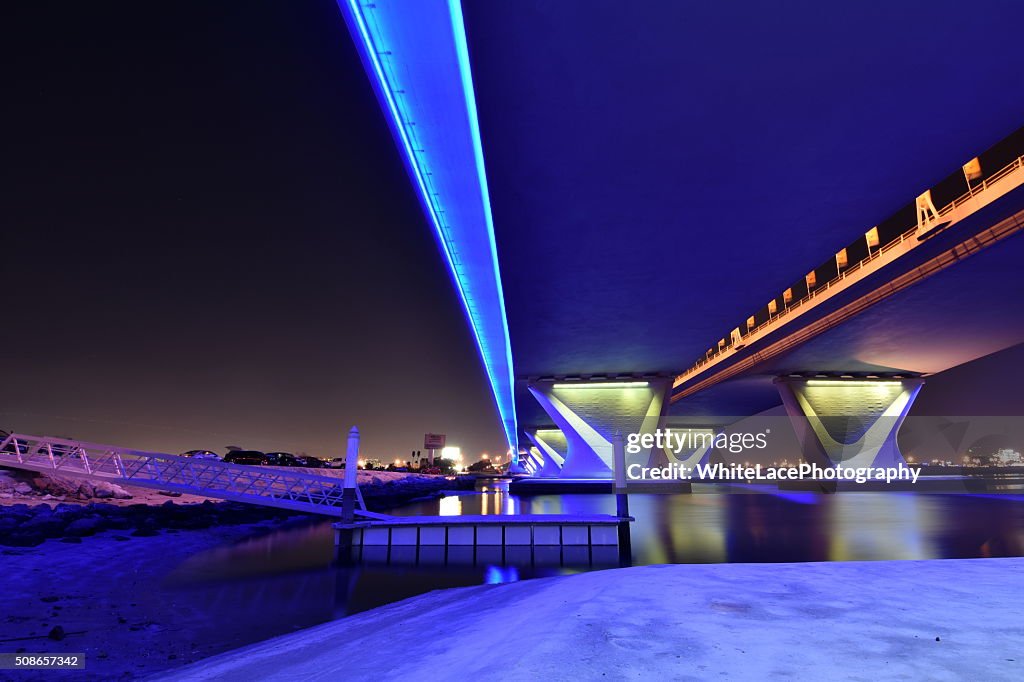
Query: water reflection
point(292, 571)
point(767, 525)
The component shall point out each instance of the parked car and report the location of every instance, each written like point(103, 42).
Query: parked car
point(201, 454)
point(282, 459)
point(312, 462)
point(246, 457)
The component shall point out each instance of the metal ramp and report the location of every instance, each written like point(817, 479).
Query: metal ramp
point(271, 487)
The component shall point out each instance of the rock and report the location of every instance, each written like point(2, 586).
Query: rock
point(120, 523)
point(106, 490)
point(49, 526)
point(87, 525)
point(23, 488)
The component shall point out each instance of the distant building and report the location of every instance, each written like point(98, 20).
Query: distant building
point(1007, 457)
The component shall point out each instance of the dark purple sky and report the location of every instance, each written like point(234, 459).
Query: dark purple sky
point(209, 239)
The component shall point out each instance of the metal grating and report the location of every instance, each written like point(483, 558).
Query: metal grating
point(295, 490)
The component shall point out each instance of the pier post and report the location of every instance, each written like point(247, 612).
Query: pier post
point(348, 499)
point(621, 499)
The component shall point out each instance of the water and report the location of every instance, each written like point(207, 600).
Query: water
point(287, 579)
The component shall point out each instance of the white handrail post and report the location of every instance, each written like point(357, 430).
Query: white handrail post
point(348, 498)
point(85, 459)
point(118, 464)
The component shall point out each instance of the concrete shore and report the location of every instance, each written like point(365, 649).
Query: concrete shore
point(886, 620)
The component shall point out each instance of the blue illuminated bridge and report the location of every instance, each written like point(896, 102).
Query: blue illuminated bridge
point(679, 213)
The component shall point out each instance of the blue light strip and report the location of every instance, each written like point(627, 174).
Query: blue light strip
point(418, 61)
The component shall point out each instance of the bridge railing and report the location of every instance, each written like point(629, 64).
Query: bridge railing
point(287, 489)
point(912, 233)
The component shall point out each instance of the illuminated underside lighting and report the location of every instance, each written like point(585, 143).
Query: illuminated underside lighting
point(418, 62)
point(847, 382)
point(605, 384)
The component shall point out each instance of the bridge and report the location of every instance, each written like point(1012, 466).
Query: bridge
point(680, 214)
point(271, 487)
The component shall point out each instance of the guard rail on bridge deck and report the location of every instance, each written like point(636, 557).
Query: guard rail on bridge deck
point(295, 490)
point(979, 195)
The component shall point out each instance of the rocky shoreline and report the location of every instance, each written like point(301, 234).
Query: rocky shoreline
point(37, 508)
point(123, 578)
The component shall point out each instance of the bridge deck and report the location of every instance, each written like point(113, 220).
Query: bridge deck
point(294, 490)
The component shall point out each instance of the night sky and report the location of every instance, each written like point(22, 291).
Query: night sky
point(210, 239)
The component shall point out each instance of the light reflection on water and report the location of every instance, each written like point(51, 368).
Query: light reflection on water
point(291, 572)
point(770, 526)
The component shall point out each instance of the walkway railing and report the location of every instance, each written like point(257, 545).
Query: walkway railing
point(979, 195)
point(295, 490)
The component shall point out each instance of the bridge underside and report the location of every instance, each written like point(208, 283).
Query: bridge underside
point(957, 316)
point(632, 149)
point(657, 173)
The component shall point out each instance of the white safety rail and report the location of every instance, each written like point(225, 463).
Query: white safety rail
point(979, 195)
point(272, 487)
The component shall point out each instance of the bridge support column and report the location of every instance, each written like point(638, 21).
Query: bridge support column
point(589, 413)
point(848, 423)
point(552, 446)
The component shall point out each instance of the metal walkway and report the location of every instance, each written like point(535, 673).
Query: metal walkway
point(271, 487)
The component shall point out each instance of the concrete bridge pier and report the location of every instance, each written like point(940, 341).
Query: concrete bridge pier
point(589, 412)
point(551, 447)
point(848, 422)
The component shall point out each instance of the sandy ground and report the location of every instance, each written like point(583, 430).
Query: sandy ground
point(904, 620)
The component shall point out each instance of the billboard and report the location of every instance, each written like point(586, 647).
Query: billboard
point(433, 441)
